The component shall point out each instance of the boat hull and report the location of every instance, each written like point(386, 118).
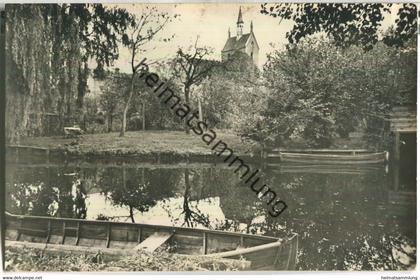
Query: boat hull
point(333, 159)
point(263, 252)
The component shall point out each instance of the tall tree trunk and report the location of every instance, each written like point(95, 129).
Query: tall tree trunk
point(132, 214)
point(28, 76)
point(81, 92)
point(143, 117)
point(127, 105)
point(200, 111)
point(187, 102)
point(186, 207)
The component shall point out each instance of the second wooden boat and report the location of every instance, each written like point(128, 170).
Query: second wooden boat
point(342, 157)
point(263, 252)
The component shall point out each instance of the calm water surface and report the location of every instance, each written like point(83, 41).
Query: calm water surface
point(347, 218)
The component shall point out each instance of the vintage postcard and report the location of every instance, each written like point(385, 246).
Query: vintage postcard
point(209, 137)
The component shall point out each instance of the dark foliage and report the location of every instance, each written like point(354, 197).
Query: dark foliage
point(347, 24)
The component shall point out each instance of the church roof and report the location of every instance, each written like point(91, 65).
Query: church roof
point(233, 44)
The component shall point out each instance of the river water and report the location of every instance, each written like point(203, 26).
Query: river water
point(347, 218)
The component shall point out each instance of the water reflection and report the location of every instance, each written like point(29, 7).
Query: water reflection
point(346, 220)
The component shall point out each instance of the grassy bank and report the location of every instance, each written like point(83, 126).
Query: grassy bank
point(138, 143)
point(28, 259)
point(159, 143)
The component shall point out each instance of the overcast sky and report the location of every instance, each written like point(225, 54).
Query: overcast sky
point(211, 22)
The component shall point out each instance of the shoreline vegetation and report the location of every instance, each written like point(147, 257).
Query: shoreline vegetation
point(143, 145)
point(134, 143)
point(20, 259)
point(151, 142)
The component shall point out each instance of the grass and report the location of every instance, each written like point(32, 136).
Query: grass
point(139, 142)
point(155, 142)
point(28, 259)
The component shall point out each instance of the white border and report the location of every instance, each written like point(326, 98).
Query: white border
point(324, 275)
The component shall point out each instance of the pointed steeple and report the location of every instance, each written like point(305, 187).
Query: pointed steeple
point(239, 25)
point(252, 27)
point(240, 16)
point(229, 32)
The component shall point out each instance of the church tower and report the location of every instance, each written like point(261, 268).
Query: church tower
point(243, 43)
point(239, 25)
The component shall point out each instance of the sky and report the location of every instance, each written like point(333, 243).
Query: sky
point(210, 22)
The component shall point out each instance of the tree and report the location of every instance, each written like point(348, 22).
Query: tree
point(81, 32)
point(318, 91)
point(347, 24)
point(95, 32)
point(190, 68)
point(48, 48)
point(113, 92)
point(142, 30)
point(248, 113)
point(225, 88)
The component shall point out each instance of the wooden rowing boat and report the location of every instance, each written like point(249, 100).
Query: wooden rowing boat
point(339, 169)
point(263, 252)
point(343, 157)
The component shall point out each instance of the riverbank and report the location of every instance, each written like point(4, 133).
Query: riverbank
point(150, 146)
point(29, 259)
point(137, 143)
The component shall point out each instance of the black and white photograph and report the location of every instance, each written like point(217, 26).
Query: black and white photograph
point(208, 137)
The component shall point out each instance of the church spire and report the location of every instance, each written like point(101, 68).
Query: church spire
point(239, 25)
point(252, 27)
point(229, 32)
point(240, 16)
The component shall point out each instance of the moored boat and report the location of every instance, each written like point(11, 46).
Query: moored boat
point(262, 252)
point(334, 157)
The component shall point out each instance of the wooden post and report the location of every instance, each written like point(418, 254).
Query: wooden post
point(123, 177)
point(397, 146)
point(204, 243)
point(142, 176)
point(77, 234)
point(64, 233)
point(17, 155)
point(19, 233)
point(396, 176)
point(108, 236)
point(139, 235)
point(48, 232)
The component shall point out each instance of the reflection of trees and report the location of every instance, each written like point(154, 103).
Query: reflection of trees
point(238, 204)
point(26, 193)
point(70, 192)
point(136, 188)
point(380, 252)
point(342, 220)
point(192, 215)
point(23, 198)
point(79, 200)
point(45, 192)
